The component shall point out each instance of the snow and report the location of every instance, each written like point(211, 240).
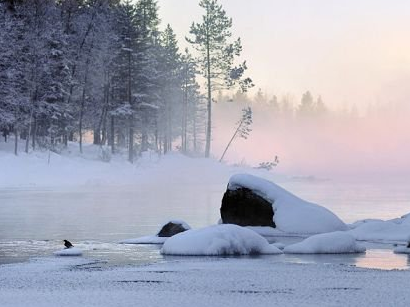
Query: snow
point(39, 168)
point(402, 250)
point(229, 282)
point(292, 214)
point(73, 251)
point(395, 230)
point(218, 240)
point(327, 243)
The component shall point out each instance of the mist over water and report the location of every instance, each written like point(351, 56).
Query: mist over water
point(345, 144)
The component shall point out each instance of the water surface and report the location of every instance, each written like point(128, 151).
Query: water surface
point(33, 221)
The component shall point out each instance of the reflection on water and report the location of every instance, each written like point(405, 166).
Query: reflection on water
point(373, 259)
point(383, 259)
point(34, 221)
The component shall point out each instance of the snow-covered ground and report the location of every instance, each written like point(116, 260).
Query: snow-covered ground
point(199, 282)
point(70, 168)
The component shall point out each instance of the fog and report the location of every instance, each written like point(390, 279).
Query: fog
point(338, 143)
point(355, 54)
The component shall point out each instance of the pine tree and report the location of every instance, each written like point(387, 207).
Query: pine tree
point(307, 105)
point(211, 39)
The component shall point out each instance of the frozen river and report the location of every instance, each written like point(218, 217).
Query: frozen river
point(33, 221)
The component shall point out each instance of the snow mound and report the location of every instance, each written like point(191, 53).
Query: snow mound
point(377, 230)
point(73, 251)
point(292, 214)
point(402, 250)
point(326, 243)
point(217, 240)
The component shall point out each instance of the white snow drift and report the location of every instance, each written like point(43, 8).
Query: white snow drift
point(292, 214)
point(326, 243)
point(378, 230)
point(218, 240)
point(402, 250)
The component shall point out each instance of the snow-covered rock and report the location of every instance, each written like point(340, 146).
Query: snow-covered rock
point(402, 250)
point(172, 228)
point(167, 230)
point(378, 230)
point(243, 207)
point(292, 214)
point(73, 251)
point(216, 240)
point(326, 243)
point(279, 245)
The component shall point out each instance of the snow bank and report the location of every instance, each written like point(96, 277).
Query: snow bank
point(377, 230)
point(73, 251)
point(218, 240)
point(326, 243)
point(292, 214)
point(402, 250)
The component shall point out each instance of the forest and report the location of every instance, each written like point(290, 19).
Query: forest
point(73, 69)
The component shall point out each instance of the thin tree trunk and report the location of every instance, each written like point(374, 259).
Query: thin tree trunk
point(81, 119)
point(16, 140)
point(229, 144)
point(82, 106)
point(209, 106)
point(131, 141)
point(194, 132)
point(112, 135)
point(34, 134)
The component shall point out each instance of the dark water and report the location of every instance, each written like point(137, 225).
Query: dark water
point(34, 221)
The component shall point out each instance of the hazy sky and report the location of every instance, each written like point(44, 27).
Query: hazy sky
point(349, 51)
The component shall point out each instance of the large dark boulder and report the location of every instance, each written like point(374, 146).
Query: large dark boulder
point(170, 229)
point(245, 208)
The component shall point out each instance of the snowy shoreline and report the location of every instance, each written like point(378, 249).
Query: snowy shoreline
point(199, 282)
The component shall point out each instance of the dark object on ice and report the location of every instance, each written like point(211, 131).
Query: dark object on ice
point(67, 244)
point(170, 229)
point(245, 208)
point(408, 245)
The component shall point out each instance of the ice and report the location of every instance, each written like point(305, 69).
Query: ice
point(199, 282)
point(292, 214)
point(73, 251)
point(145, 240)
point(326, 243)
point(218, 240)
